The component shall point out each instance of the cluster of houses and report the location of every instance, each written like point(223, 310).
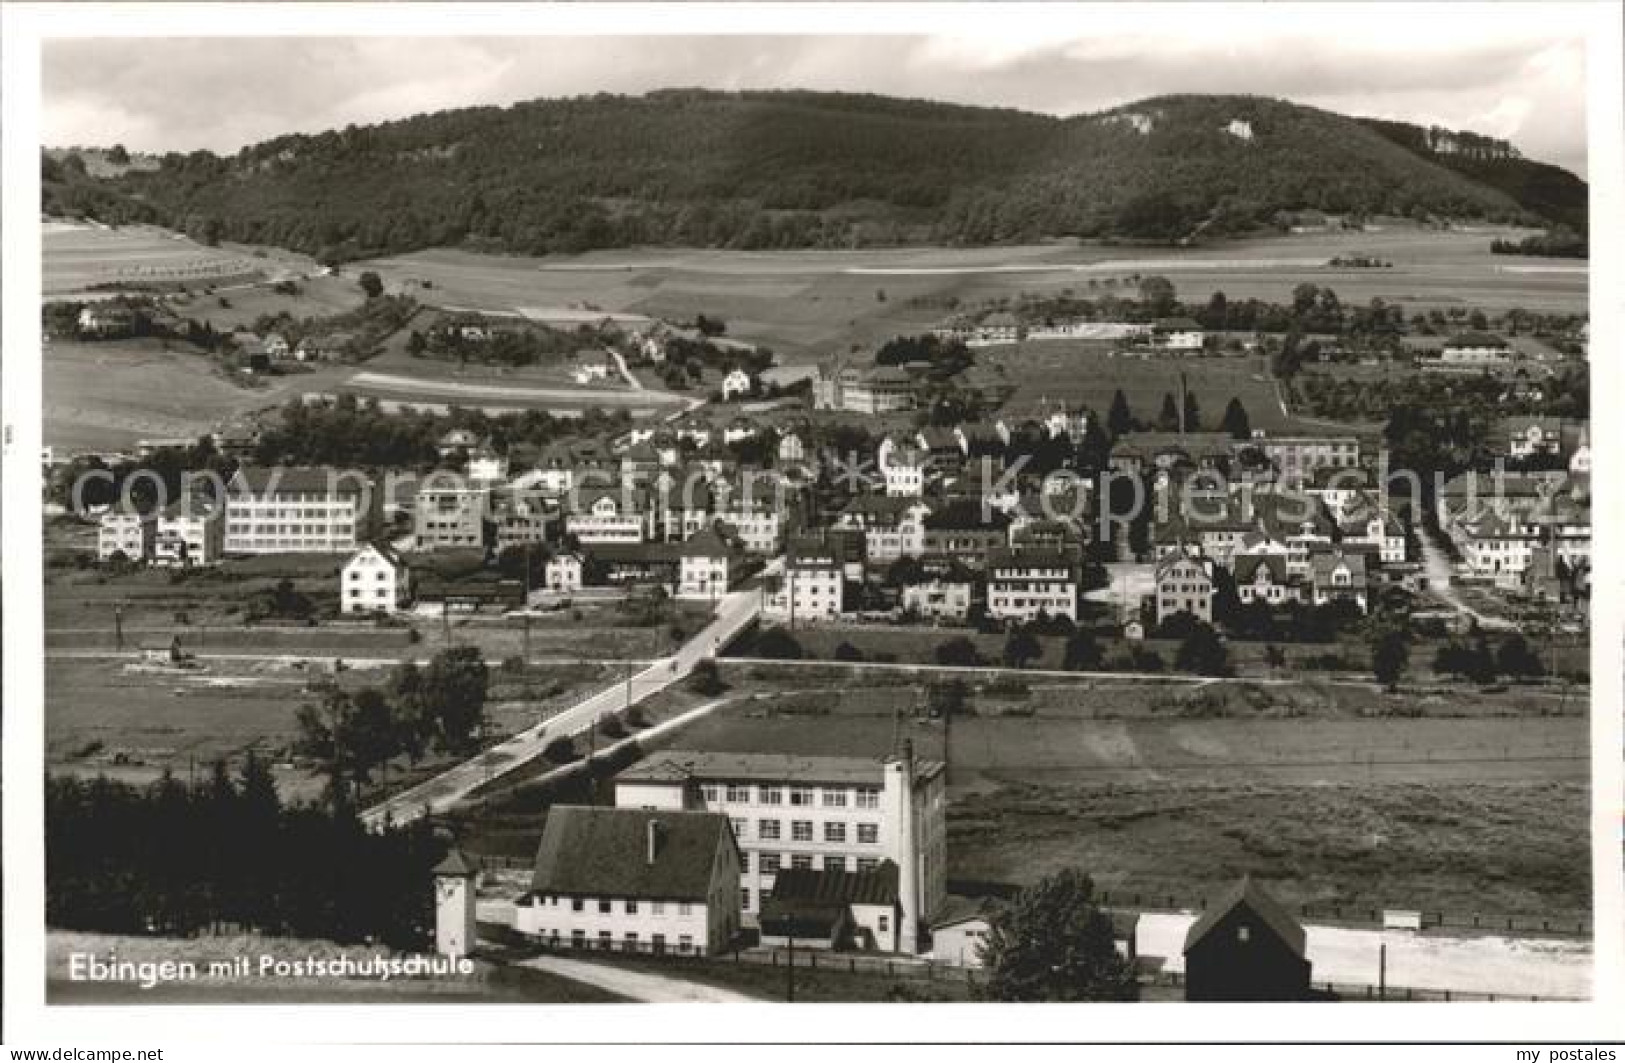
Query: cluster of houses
point(1526, 531)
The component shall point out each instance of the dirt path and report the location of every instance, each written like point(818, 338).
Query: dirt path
point(639, 985)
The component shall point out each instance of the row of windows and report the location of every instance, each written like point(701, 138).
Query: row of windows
point(608, 906)
point(795, 796)
point(801, 830)
point(773, 863)
point(630, 942)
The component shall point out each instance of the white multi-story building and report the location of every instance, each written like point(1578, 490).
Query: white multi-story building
point(450, 512)
point(126, 536)
point(606, 516)
point(299, 510)
point(939, 599)
point(1023, 583)
point(705, 565)
point(1184, 585)
point(562, 573)
point(822, 813)
point(892, 526)
point(658, 880)
point(375, 580)
point(189, 533)
point(813, 583)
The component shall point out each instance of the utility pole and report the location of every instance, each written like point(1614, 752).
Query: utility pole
point(118, 626)
point(1382, 971)
point(790, 972)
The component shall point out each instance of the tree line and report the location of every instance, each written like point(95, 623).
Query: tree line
point(227, 853)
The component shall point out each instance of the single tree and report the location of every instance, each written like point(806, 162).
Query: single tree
point(946, 698)
point(1203, 652)
point(1119, 420)
point(1021, 648)
point(1235, 422)
point(1168, 416)
point(371, 283)
point(1390, 653)
point(1053, 942)
point(706, 679)
point(1082, 653)
point(1193, 413)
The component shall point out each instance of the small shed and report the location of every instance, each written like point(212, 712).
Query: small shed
point(1246, 947)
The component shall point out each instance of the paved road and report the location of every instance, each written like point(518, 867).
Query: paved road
point(1555, 968)
point(1440, 571)
point(734, 612)
point(631, 381)
point(640, 986)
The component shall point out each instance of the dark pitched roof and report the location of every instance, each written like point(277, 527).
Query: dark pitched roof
point(1476, 339)
point(455, 864)
point(798, 884)
point(603, 852)
point(1260, 903)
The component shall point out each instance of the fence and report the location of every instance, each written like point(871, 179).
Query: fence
point(1128, 897)
point(897, 967)
point(1349, 992)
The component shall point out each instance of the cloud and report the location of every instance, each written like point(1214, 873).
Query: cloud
point(1521, 81)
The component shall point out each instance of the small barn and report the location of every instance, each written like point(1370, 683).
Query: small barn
point(1246, 947)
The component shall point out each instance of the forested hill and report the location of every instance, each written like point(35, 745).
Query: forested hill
point(783, 169)
point(1549, 191)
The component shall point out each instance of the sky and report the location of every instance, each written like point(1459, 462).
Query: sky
point(1506, 72)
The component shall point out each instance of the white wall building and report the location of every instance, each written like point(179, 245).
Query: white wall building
point(130, 535)
point(189, 534)
point(375, 580)
point(299, 510)
point(1023, 583)
point(634, 880)
point(821, 813)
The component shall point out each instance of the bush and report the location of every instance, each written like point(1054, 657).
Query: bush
point(561, 750)
point(848, 652)
point(612, 727)
point(778, 644)
point(706, 679)
point(958, 651)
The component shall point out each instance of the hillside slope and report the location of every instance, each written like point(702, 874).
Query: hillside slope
point(785, 169)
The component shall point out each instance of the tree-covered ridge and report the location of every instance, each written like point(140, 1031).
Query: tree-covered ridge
point(1549, 191)
point(781, 169)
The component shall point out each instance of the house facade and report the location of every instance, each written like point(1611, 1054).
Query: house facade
point(375, 580)
point(624, 879)
point(189, 534)
point(1023, 583)
point(1184, 586)
point(303, 510)
point(129, 536)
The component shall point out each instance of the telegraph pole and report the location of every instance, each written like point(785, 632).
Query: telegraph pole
point(118, 626)
point(790, 970)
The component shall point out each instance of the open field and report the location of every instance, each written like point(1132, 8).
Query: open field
point(805, 304)
point(107, 395)
point(318, 296)
point(1085, 374)
point(1465, 848)
point(487, 984)
point(79, 257)
point(436, 387)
